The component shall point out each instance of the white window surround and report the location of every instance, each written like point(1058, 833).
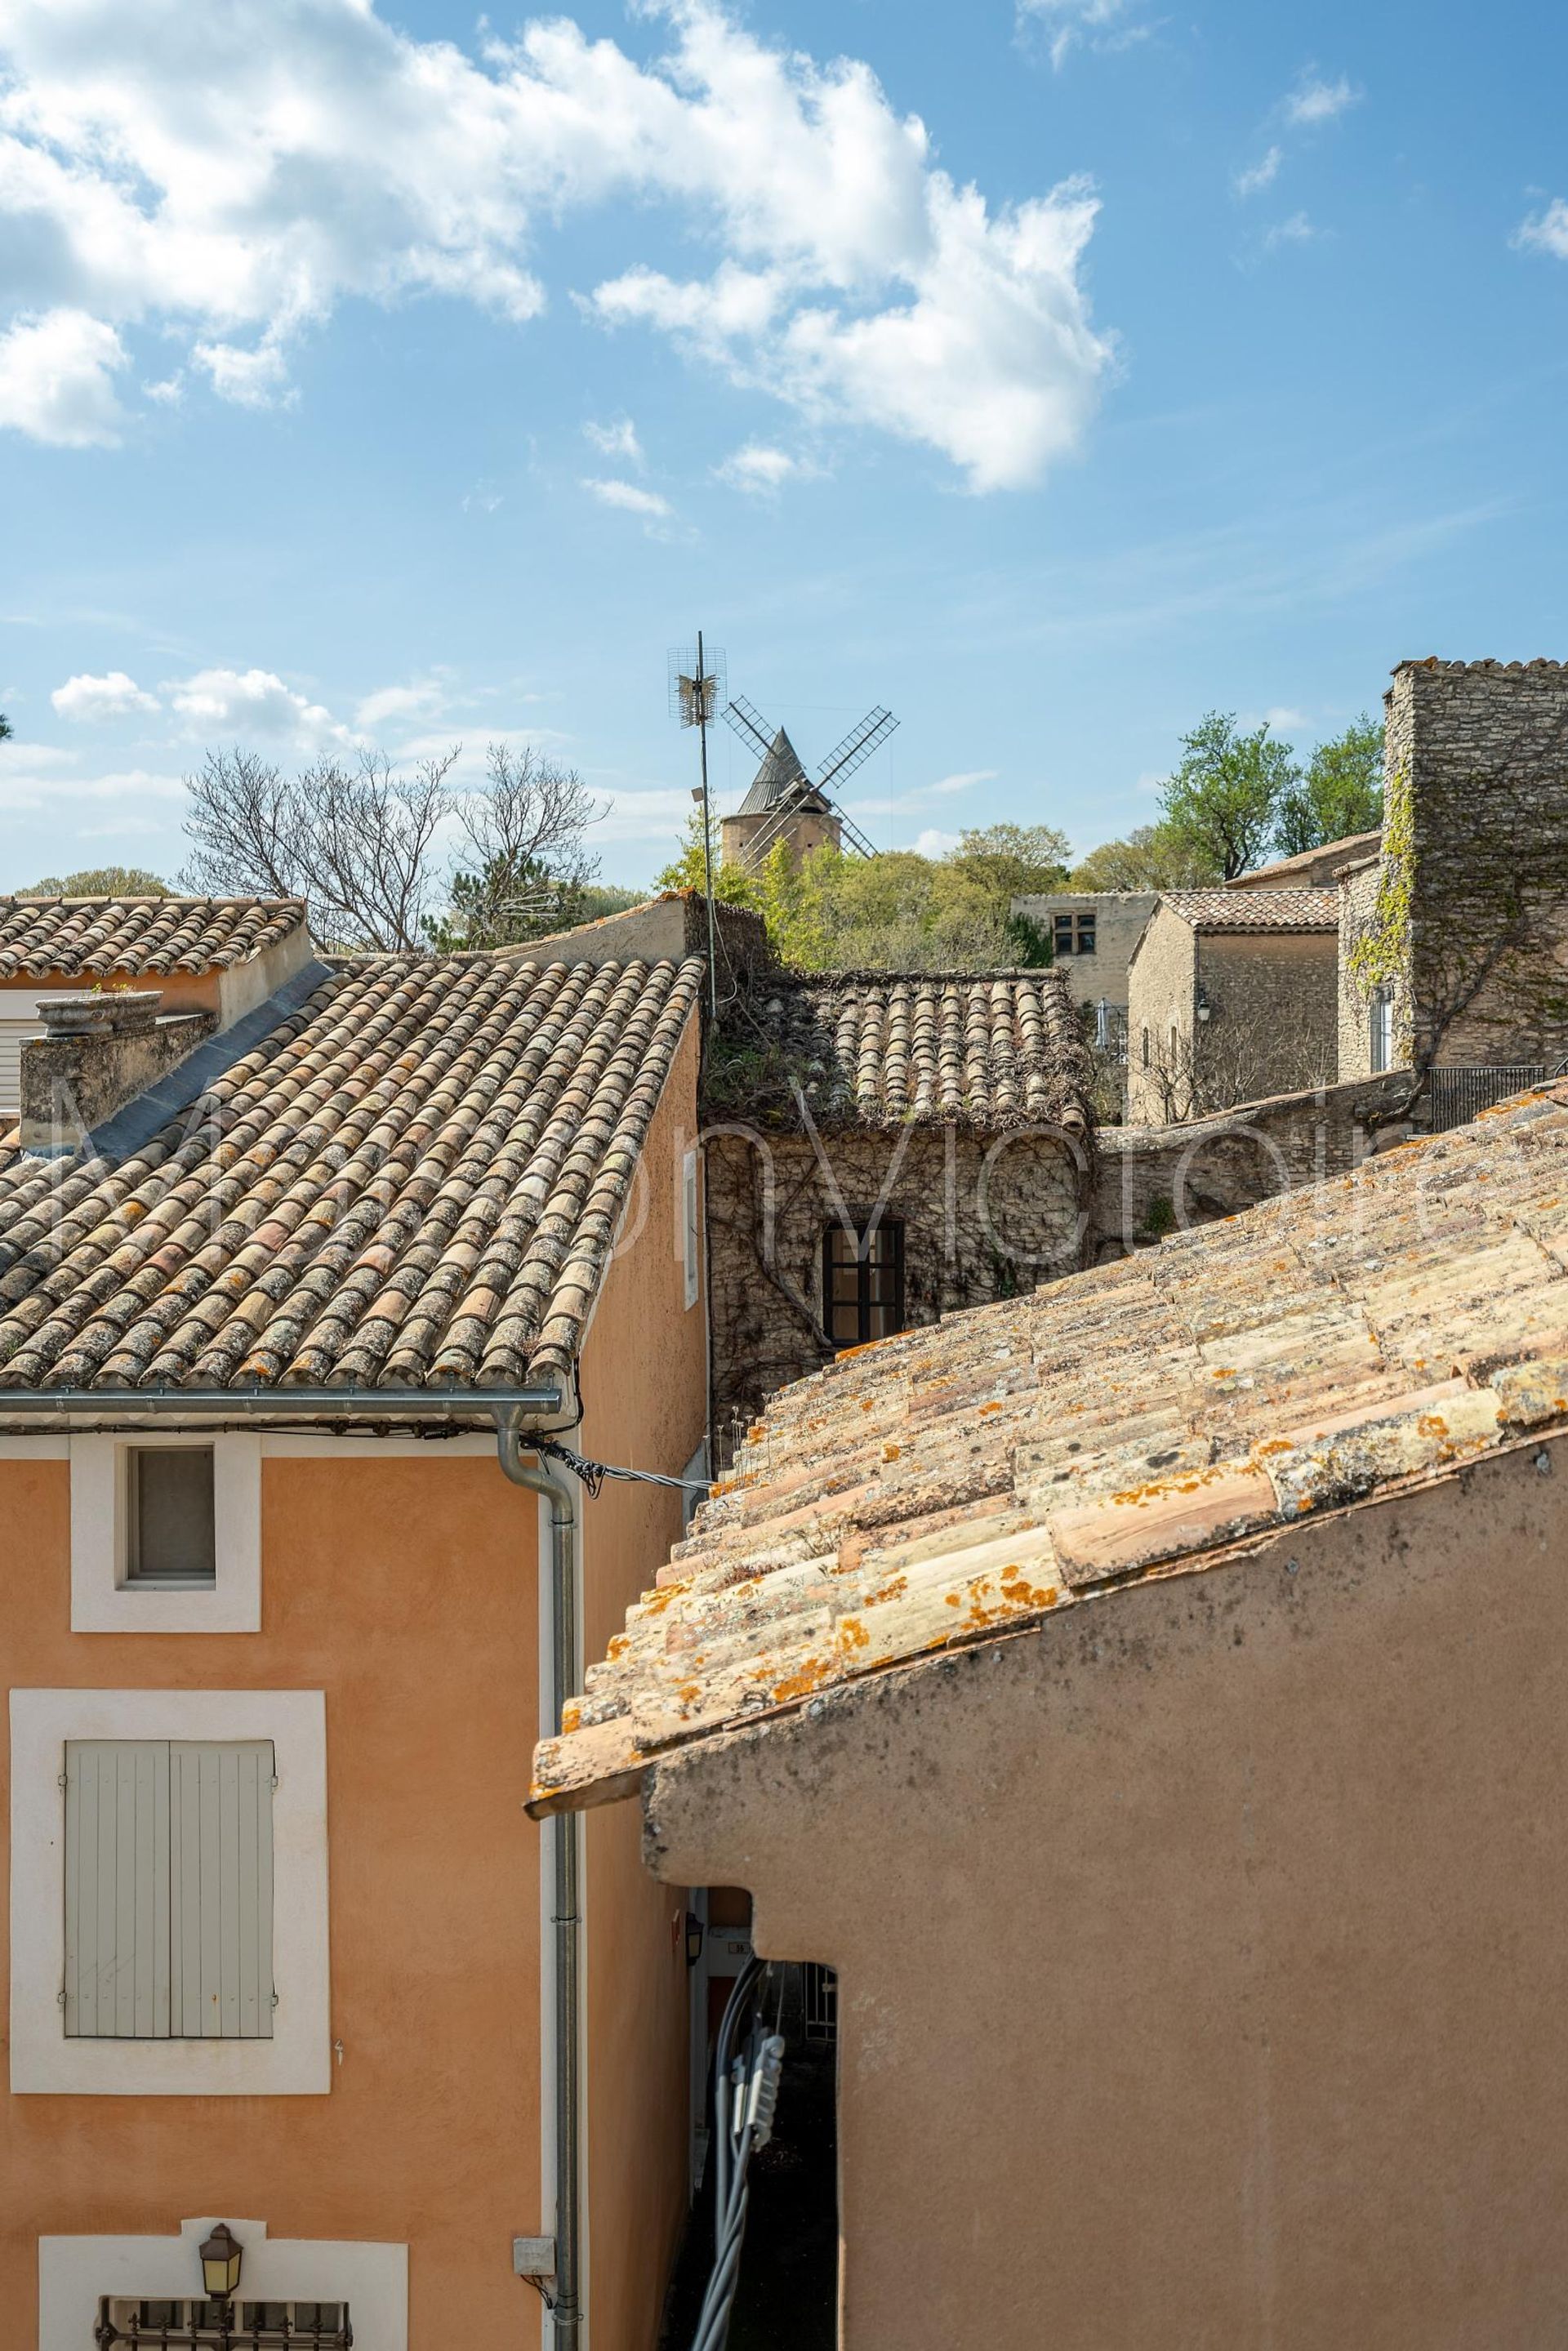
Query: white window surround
point(102, 1599)
point(297, 2060)
point(74, 2272)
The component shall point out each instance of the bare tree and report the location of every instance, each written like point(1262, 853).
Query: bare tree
point(523, 867)
point(1244, 1054)
point(357, 843)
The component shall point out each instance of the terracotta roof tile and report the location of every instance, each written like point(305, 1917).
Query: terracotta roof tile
point(967, 1478)
point(1255, 910)
point(413, 1181)
point(992, 1051)
point(109, 936)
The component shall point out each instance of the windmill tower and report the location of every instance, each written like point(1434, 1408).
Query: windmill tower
point(784, 804)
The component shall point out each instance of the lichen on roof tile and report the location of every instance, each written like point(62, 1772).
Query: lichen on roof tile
point(102, 939)
point(413, 1180)
point(979, 1475)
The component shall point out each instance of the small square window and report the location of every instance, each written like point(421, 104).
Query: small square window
point(1085, 933)
point(1061, 933)
point(171, 1524)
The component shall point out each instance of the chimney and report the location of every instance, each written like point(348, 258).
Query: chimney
point(98, 1051)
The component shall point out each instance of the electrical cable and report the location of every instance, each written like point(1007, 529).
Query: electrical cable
point(746, 2098)
point(594, 1473)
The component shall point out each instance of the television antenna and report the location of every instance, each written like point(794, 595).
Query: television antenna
point(696, 692)
point(783, 790)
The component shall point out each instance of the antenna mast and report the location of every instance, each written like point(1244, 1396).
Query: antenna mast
point(696, 691)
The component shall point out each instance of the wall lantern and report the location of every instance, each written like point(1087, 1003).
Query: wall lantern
point(1204, 1006)
point(221, 2258)
point(693, 1938)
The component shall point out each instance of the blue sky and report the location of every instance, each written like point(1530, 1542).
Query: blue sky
point(1050, 374)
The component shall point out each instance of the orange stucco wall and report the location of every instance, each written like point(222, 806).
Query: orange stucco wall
point(181, 991)
point(407, 1590)
point(644, 1395)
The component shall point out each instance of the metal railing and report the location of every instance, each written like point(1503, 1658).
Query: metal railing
point(1458, 1095)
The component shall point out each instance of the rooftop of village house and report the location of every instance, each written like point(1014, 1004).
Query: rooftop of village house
point(412, 1179)
point(965, 1480)
point(1227, 909)
point(105, 938)
point(991, 1051)
point(1349, 848)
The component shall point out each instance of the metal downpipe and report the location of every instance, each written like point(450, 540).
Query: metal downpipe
point(512, 1445)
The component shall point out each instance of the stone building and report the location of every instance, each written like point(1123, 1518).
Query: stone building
point(1093, 934)
point(1232, 996)
point(1146, 1696)
point(1313, 869)
point(879, 1151)
point(783, 804)
point(1454, 942)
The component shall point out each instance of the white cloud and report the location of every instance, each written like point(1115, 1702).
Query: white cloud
point(1283, 721)
point(1069, 21)
point(759, 468)
point(1261, 174)
point(617, 440)
point(1296, 230)
point(424, 698)
point(1548, 232)
point(21, 790)
point(229, 175)
point(1315, 100)
point(114, 696)
point(932, 842)
point(56, 373)
point(644, 814)
point(252, 702)
point(962, 782)
point(630, 499)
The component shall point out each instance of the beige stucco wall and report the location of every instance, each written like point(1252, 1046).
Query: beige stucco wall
point(1203, 1956)
point(1120, 917)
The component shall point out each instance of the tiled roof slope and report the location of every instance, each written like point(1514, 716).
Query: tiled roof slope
point(1001, 1049)
point(965, 1480)
point(413, 1181)
point(104, 936)
point(1348, 850)
point(1255, 910)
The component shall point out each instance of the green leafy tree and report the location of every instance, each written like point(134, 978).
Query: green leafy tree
point(1224, 800)
point(1152, 857)
point(1340, 793)
point(101, 881)
point(5, 727)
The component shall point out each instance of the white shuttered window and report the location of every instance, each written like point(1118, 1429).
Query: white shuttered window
point(168, 1890)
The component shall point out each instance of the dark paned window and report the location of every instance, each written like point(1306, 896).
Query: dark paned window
point(862, 1282)
point(1062, 933)
point(172, 1534)
point(1085, 933)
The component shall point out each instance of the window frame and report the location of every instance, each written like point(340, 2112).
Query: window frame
point(105, 1598)
point(297, 2059)
point(1083, 943)
point(875, 1223)
point(691, 1227)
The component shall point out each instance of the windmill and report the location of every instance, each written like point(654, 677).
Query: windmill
point(782, 793)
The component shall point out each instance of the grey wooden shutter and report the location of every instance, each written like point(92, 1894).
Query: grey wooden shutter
point(117, 1889)
point(220, 1803)
point(168, 1890)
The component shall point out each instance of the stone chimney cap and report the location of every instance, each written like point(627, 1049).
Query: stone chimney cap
point(106, 1012)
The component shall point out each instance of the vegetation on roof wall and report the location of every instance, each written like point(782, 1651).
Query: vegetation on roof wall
point(899, 912)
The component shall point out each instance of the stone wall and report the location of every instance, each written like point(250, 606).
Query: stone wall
point(1471, 901)
point(1120, 917)
point(1273, 1008)
point(1160, 991)
point(1358, 896)
point(1154, 1180)
point(984, 1216)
